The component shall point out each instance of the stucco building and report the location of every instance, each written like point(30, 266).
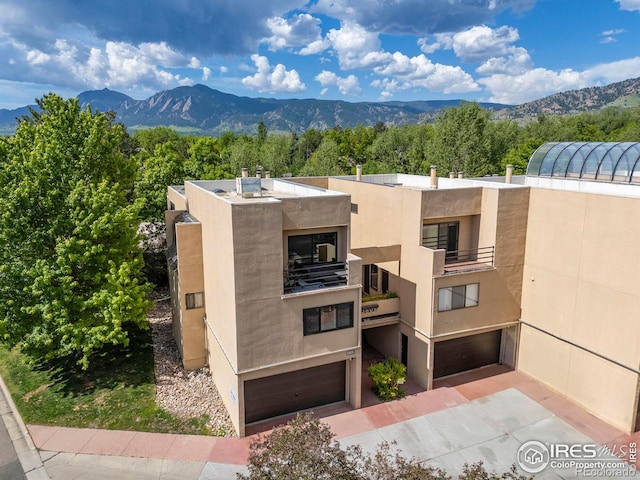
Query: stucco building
point(277, 284)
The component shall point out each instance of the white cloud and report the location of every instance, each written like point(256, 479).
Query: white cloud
point(278, 80)
point(315, 47)
point(356, 47)
point(480, 43)
point(206, 73)
point(115, 65)
point(443, 41)
point(540, 82)
point(419, 72)
point(516, 62)
point(631, 5)
point(223, 69)
point(346, 85)
point(609, 36)
point(302, 29)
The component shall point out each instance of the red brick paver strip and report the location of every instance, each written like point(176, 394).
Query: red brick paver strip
point(68, 440)
point(108, 442)
point(191, 447)
point(149, 445)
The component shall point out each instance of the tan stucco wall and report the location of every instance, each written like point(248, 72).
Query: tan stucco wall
point(385, 340)
point(216, 217)
point(580, 284)
point(379, 218)
point(601, 387)
point(227, 382)
point(179, 200)
point(191, 339)
point(495, 305)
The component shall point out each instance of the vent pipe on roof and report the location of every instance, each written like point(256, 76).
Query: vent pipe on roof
point(359, 173)
point(509, 175)
point(258, 173)
point(434, 177)
point(245, 172)
point(460, 174)
point(267, 174)
point(452, 174)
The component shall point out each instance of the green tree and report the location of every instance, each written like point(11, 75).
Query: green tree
point(262, 132)
point(520, 155)
point(459, 142)
point(325, 161)
point(162, 168)
point(205, 160)
point(70, 264)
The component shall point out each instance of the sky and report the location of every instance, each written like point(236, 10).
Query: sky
point(504, 51)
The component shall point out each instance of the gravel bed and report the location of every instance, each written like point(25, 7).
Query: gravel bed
point(186, 394)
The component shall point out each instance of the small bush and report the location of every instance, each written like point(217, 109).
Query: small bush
point(387, 377)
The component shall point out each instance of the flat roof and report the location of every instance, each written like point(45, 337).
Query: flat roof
point(262, 190)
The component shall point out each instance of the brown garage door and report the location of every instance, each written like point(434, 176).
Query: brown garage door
point(466, 353)
point(289, 392)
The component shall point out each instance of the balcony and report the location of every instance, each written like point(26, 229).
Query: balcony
point(380, 311)
point(456, 261)
point(315, 276)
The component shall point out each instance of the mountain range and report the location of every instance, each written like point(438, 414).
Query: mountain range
point(201, 110)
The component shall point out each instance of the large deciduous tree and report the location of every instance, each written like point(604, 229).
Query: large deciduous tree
point(70, 264)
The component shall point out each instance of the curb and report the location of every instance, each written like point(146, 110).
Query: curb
point(27, 453)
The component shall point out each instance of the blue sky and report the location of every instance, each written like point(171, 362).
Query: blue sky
point(506, 51)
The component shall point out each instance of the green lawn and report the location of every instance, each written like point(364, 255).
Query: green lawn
point(117, 392)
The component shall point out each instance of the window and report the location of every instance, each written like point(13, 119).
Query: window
point(327, 318)
point(461, 296)
point(194, 300)
point(442, 236)
point(354, 208)
point(374, 277)
point(314, 248)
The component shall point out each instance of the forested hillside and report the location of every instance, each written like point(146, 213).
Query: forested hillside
point(462, 139)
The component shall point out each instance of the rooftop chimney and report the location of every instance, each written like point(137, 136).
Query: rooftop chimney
point(245, 172)
point(434, 177)
point(507, 178)
point(460, 174)
point(452, 174)
point(359, 173)
point(267, 174)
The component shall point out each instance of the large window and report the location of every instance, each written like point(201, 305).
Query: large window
point(327, 318)
point(442, 236)
point(461, 296)
point(314, 248)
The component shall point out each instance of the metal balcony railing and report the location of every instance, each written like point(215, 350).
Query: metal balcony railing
point(472, 259)
point(315, 276)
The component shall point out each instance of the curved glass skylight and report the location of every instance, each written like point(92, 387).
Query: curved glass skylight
point(599, 161)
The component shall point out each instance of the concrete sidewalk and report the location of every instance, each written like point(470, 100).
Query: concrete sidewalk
point(480, 416)
point(19, 458)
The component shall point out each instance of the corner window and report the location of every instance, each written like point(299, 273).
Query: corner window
point(461, 296)
point(194, 300)
point(327, 318)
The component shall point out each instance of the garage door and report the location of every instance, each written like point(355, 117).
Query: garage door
point(289, 392)
point(466, 353)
